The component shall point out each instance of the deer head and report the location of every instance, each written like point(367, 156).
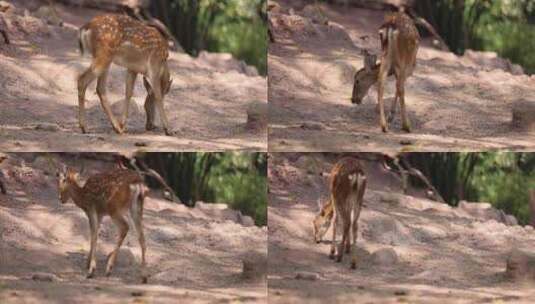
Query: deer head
point(365, 78)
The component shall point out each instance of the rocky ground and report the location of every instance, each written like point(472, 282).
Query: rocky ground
point(454, 103)
point(410, 249)
point(194, 255)
point(207, 104)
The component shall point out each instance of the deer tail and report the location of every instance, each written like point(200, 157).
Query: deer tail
point(83, 39)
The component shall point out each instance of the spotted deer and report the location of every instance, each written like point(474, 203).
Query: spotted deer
point(399, 45)
point(348, 184)
point(111, 193)
point(141, 49)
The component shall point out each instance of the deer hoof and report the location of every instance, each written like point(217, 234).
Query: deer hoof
point(90, 274)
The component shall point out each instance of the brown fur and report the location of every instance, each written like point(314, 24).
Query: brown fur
point(399, 45)
point(347, 184)
point(110, 193)
point(132, 44)
point(347, 196)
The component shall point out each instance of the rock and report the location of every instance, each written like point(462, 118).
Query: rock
point(45, 277)
point(315, 14)
point(384, 257)
point(308, 163)
point(401, 292)
point(307, 276)
point(257, 115)
point(44, 163)
point(516, 69)
point(49, 127)
point(223, 62)
point(387, 230)
point(510, 220)
point(491, 61)
point(524, 116)
point(218, 211)
point(520, 265)
point(245, 220)
point(313, 126)
point(48, 14)
point(481, 211)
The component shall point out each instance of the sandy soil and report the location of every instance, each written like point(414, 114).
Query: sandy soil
point(206, 106)
point(443, 254)
point(454, 103)
point(194, 255)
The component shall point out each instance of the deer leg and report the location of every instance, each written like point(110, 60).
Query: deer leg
point(158, 100)
point(122, 224)
point(383, 73)
point(6, 38)
point(356, 214)
point(94, 224)
point(83, 81)
point(149, 106)
point(345, 234)
point(348, 245)
point(405, 122)
point(102, 94)
point(136, 212)
point(130, 81)
point(333, 242)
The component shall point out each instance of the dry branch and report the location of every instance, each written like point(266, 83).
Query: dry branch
point(417, 173)
point(148, 171)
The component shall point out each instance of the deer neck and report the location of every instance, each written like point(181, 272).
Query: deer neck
point(76, 194)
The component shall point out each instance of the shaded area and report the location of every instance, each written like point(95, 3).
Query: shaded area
point(453, 102)
point(192, 253)
point(443, 253)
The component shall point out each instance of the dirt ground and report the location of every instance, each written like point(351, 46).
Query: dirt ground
point(206, 106)
point(194, 255)
point(440, 254)
point(454, 103)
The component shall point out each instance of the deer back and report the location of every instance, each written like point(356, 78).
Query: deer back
point(344, 183)
point(110, 191)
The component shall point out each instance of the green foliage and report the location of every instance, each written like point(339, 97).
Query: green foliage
point(506, 27)
point(237, 179)
point(242, 191)
point(502, 179)
point(235, 26)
